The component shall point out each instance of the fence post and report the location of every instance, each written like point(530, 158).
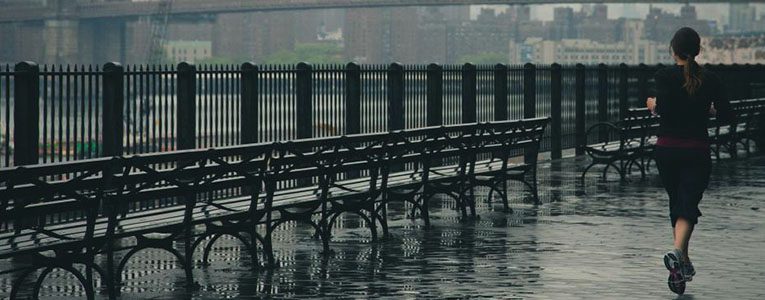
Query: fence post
point(738, 80)
point(469, 90)
point(603, 100)
point(642, 83)
point(113, 109)
point(623, 90)
point(748, 76)
point(743, 81)
point(352, 98)
point(395, 97)
point(556, 97)
point(249, 115)
point(759, 74)
point(435, 104)
point(733, 81)
point(581, 139)
point(26, 112)
point(186, 124)
point(730, 78)
point(500, 92)
point(529, 90)
point(529, 100)
point(304, 109)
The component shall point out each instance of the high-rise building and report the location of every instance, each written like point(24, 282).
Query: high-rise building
point(600, 12)
point(374, 35)
point(593, 24)
point(404, 36)
point(629, 11)
point(489, 32)
point(456, 13)
point(742, 17)
point(688, 12)
point(363, 34)
point(563, 25)
point(661, 26)
point(253, 36)
point(632, 30)
point(523, 13)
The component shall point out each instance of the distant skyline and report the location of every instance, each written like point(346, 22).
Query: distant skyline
point(717, 12)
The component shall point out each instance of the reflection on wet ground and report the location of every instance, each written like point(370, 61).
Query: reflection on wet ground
point(597, 240)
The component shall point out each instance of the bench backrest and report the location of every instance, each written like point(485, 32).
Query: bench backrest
point(639, 125)
point(185, 177)
point(37, 197)
point(80, 190)
point(360, 155)
point(505, 139)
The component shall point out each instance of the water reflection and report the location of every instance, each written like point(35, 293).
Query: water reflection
point(555, 249)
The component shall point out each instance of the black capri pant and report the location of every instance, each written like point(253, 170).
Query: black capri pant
point(685, 174)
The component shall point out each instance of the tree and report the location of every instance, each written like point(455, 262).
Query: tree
point(221, 60)
point(314, 53)
point(484, 58)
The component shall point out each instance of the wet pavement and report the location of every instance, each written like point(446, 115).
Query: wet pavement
point(600, 240)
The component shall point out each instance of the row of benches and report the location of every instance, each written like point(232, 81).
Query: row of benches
point(630, 142)
point(64, 215)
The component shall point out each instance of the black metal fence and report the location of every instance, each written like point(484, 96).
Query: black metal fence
point(61, 113)
point(6, 85)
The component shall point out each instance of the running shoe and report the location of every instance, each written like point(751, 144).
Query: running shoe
point(676, 280)
point(688, 271)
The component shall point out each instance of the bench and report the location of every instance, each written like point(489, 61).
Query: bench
point(622, 143)
point(629, 143)
point(746, 128)
point(63, 215)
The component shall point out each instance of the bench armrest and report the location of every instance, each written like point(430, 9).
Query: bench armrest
point(608, 125)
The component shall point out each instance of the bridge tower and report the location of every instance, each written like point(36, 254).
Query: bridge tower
point(61, 34)
point(63, 37)
point(158, 27)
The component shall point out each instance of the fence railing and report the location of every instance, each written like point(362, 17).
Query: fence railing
point(60, 113)
point(6, 121)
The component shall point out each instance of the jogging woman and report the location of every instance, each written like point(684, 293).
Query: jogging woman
point(686, 95)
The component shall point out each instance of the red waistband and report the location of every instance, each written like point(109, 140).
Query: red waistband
point(675, 142)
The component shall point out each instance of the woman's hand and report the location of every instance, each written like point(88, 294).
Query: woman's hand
point(651, 104)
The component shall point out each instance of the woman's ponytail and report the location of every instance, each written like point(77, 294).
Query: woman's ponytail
point(692, 74)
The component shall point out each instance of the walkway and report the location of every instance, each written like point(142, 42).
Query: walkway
point(603, 241)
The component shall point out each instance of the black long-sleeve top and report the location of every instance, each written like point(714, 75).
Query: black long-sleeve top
point(684, 115)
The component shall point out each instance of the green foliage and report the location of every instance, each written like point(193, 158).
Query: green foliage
point(484, 58)
point(221, 61)
point(314, 53)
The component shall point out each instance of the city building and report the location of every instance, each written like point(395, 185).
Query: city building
point(593, 24)
point(661, 25)
point(189, 51)
point(573, 51)
point(365, 35)
point(564, 24)
point(489, 33)
point(734, 49)
point(632, 30)
point(742, 18)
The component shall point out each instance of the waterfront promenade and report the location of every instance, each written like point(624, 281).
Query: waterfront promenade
point(600, 240)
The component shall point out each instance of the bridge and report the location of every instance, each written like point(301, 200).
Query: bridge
point(96, 31)
point(121, 9)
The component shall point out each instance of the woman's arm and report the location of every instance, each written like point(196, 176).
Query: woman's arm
point(660, 93)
